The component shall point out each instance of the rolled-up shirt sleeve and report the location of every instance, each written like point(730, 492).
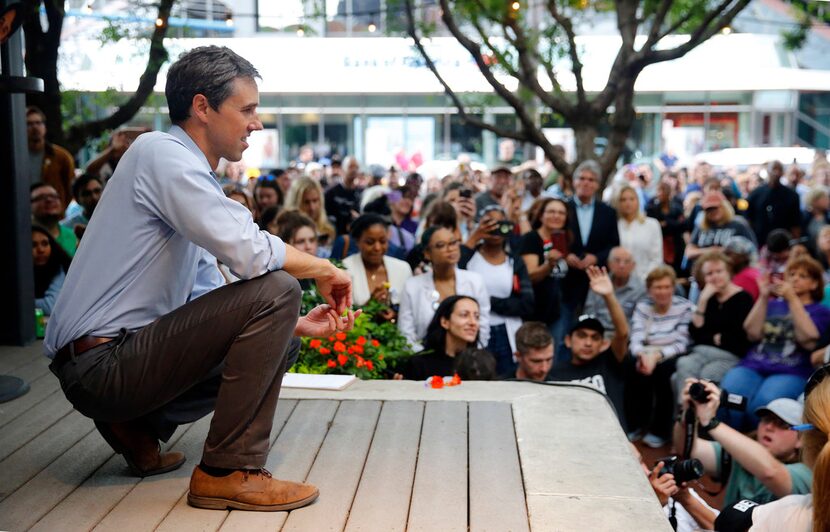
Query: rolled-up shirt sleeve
point(184, 194)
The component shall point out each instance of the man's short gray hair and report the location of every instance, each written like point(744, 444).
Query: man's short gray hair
point(588, 166)
point(206, 70)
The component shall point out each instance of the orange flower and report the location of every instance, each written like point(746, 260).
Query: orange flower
point(331, 338)
point(340, 336)
point(361, 340)
point(342, 359)
point(369, 365)
point(315, 343)
point(456, 380)
point(375, 343)
point(339, 347)
point(330, 363)
point(360, 362)
point(358, 349)
point(436, 382)
point(351, 350)
point(380, 357)
point(325, 350)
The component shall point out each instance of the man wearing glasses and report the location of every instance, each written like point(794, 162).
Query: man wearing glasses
point(47, 211)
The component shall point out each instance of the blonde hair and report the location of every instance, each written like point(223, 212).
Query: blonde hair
point(660, 272)
point(816, 451)
point(295, 199)
point(615, 202)
point(728, 215)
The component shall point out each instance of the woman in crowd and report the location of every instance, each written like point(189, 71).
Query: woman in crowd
point(300, 231)
point(453, 329)
point(306, 195)
point(717, 226)
point(507, 282)
point(51, 263)
point(423, 293)
point(785, 328)
point(667, 209)
point(438, 213)
point(717, 327)
point(803, 513)
point(543, 251)
point(374, 274)
point(401, 204)
point(659, 335)
point(640, 235)
point(741, 252)
point(240, 194)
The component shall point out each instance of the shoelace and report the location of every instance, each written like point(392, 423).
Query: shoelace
point(262, 471)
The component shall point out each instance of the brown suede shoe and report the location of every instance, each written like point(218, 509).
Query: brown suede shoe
point(140, 448)
point(248, 490)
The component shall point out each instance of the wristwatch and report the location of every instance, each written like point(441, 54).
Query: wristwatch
point(714, 422)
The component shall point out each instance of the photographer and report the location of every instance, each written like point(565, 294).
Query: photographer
point(763, 468)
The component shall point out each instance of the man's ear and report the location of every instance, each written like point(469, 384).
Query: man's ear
point(567, 341)
point(605, 345)
point(199, 107)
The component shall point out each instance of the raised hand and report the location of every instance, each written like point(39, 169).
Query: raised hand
point(600, 281)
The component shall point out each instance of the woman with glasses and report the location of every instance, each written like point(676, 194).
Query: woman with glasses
point(543, 251)
point(306, 195)
point(422, 294)
point(454, 329)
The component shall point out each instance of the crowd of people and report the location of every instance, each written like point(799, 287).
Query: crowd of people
point(661, 282)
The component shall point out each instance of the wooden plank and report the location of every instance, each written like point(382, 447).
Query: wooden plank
point(337, 469)
point(497, 500)
point(23, 429)
point(184, 517)
point(36, 455)
point(152, 498)
point(12, 357)
point(290, 458)
point(42, 386)
point(439, 495)
point(34, 499)
point(382, 499)
point(97, 494)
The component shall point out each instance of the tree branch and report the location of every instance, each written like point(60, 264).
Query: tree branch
point(659, 18)
point(78, 134)
point(576, 64)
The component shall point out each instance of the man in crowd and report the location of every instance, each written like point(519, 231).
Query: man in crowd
point(628, 289)
point(47, 211)
point(534, 351)
point(145, 336)
point(87, 190)
point(774, 206)
point(590, 358)
point(48, 163)
point(343, 199)
point(501, 179)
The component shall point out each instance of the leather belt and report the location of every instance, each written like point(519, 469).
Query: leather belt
point(77, 348)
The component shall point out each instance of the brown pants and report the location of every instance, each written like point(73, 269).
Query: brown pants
point(225, 351)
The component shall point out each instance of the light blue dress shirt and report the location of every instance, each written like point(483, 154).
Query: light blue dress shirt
point(150, 247)
point(585, 217)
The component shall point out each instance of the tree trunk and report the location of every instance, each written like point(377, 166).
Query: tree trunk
point(41, 62)
point(585, 135)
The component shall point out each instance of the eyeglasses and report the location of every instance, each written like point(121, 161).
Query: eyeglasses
point(440, 246)
point(44, 197)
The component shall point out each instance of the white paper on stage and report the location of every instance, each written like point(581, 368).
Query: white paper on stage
point(317, 382)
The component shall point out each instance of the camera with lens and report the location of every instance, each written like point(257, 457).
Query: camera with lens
point(683, 470)
point(728, 400)
point(504, 228)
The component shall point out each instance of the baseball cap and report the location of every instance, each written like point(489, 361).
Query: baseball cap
point(712, 198)
point(785, 408)
point(587, 321)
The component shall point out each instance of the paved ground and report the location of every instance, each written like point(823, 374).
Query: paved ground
point(386, 456)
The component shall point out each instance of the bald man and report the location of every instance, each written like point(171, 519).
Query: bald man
point(627, 287)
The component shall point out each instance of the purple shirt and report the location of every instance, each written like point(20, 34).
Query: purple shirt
point(778, 352)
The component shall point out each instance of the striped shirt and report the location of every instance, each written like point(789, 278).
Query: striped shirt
point(668, 332)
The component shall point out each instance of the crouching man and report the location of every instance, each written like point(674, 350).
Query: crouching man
point(144, 337)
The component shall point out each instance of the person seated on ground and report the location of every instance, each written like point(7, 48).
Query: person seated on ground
point(306, 195)
point(506, 279)
point(422, 294)
point(592, 359)
point(267, 194)
point(807, 512)
point(375, 276)
point(717, 226)
point(439, 213)
point(717, 327)
point(534, 352)
point(475, 365)
point(784, 330)
point(402, 202)
point(777, 252)
point(764, 466)
point(51, 263)
point(815, 216)
point(87, 191)
point(454, 328)
point(659, 335)
point(741, 252)
point(300, 231)
point(47, 212)
point(241, 195)
point(628, 289)
point(268, 219)
point(690, 510)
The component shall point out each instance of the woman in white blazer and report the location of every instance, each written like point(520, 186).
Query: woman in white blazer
point(374, 274)
point(423, 293)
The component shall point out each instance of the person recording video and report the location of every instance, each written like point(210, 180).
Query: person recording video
point(762, 467)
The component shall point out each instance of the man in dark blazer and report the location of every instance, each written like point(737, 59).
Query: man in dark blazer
point(594, 228)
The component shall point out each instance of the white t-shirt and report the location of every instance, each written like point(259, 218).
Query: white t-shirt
point(497, 278)
point(793, 513)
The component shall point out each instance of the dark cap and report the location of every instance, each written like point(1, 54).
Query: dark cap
point(587, 321)
point(501, 168)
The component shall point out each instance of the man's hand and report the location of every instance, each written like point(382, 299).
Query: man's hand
point(647, 361)
point(664, 486)
point(323, 321)
point(707, 411)
point(589, 260)
point(573, 261)
point(600, 281)
point(336, 289)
